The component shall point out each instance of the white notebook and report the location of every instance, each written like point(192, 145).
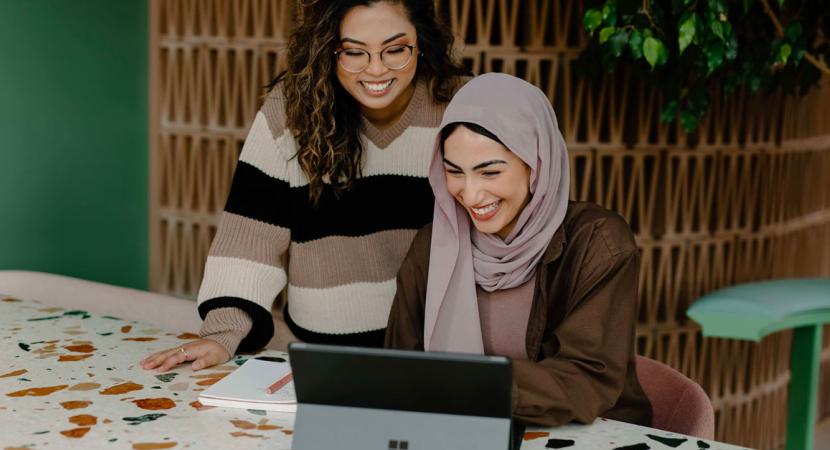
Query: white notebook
point(245, 388)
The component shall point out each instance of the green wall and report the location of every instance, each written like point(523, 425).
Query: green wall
point(73, 138)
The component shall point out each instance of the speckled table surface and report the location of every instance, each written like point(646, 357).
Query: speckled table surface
point(71, 379)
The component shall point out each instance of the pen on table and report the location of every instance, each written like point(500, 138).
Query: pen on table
point(270, 358)
point(279, 383)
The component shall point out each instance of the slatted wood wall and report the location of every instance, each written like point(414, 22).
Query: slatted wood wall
point(746, 198)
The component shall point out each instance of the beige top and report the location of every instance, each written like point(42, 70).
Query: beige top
point(504, 315)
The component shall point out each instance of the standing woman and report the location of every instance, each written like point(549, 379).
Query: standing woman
point(331, 184)
point(510, 267)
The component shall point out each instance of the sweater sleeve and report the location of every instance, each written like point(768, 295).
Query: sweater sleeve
point(227, 327)
point(584, 371)
point(245, 265)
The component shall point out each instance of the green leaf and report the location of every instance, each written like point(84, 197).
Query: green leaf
point(717, 29)
point(686, 32)
point(747, 4)
point(784, 53)
point(754, 83)
point(727, 31)
point(662, 55)
point(719, 6)
point(591, 20)
point(714, 56)
point(617, 42)
point(781, 2)
point(669, 111)
point(609, 13)
point(798, 54)
point(730, 84)
point(688, 120)
point(731, 48)
point(793, 30)
point(651, 50)
point(606, 33)
point(635, 44)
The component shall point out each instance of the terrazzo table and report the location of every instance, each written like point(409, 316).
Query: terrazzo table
point(71, 379)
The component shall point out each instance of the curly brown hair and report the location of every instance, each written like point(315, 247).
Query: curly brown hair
point(324, 118)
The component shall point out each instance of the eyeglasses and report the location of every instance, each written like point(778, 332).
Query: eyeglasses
point(356, 60)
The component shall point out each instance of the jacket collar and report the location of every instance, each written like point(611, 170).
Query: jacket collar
point(557, 243)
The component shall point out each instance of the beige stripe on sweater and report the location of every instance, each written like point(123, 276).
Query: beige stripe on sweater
point(339, 260)
point(241, 278)
point(350, 308)
point(227, 327)
point(245, 238)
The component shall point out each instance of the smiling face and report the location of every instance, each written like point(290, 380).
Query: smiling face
point(382, 93)
point(487, 179)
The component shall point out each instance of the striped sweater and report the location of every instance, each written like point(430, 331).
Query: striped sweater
point(338, 261)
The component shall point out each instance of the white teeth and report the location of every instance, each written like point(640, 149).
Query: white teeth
point(376, 87)
point(486, 209)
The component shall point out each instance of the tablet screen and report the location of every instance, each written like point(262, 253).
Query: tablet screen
point(446, 383)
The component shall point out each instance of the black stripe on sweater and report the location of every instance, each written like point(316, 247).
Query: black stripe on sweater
point(374, 338)
point(258, 196)
point(376, 203)
point(263, 324)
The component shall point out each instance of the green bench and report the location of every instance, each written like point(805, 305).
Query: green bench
point(752, 311)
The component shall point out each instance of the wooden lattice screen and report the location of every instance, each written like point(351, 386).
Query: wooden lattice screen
point(747, 198)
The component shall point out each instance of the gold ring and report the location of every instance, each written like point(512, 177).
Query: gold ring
point(186, 355)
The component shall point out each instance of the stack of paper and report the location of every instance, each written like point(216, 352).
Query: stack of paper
point(245, 388)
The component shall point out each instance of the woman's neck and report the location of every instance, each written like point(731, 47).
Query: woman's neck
point(383, 118)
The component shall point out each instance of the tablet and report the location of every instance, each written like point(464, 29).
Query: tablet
point(363, 398)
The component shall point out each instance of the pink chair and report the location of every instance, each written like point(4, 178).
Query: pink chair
point(679, 404)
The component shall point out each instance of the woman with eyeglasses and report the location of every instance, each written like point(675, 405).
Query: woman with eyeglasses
point(331, 185)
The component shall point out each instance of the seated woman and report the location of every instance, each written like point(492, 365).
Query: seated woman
point(550, 283)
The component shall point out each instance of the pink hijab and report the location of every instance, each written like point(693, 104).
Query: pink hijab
point(521, 116)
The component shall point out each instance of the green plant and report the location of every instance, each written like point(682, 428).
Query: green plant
point(684, 47)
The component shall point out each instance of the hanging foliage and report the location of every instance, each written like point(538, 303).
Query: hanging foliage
point(684, 47)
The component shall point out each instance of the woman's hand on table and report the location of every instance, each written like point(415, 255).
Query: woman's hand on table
point(204, 353)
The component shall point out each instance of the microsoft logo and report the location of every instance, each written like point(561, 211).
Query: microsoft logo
point(399, 445)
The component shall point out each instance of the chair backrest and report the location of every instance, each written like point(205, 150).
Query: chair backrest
point(679, 404)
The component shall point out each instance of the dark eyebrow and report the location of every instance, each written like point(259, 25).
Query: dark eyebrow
point(355, 41)
point(478, 166)
point(489, 163)
point(448, 162)
point(393, 38)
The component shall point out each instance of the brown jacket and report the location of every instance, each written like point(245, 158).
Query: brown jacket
point(580, 335)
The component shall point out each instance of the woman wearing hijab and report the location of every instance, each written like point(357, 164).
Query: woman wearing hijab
point(510, 267)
